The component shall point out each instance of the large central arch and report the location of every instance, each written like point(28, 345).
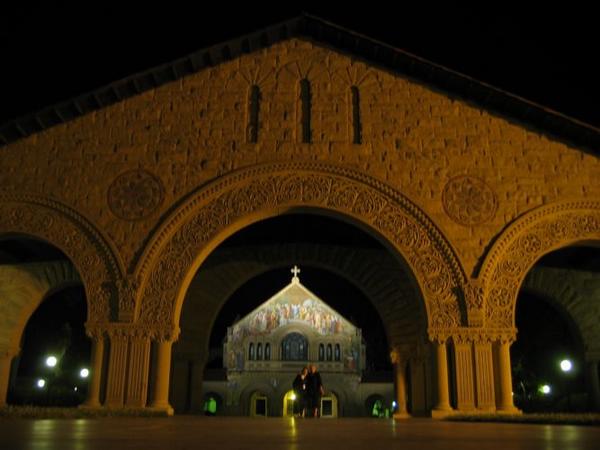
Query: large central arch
point(214, 212)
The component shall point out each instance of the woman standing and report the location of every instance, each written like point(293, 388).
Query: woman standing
point(314, 391)
point(299, 387)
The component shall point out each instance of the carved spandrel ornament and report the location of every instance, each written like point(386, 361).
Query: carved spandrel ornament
point(127, 290)
point(223, 204)
point(135, 195)
point(474, 299)
point(469, 200)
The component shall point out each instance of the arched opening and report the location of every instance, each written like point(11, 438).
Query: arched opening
point(342, 265)
point(556, 318)
point(259, 404)
point(44, 313)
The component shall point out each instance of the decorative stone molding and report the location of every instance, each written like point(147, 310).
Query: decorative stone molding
point(261, 192)
point(474, 299)
point(95, 259)
point(135, 195)
point(473, 334)
point(542, 230)
point(127, 290)
point(469, 200)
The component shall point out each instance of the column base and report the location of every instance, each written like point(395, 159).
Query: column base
point(165, 409)
point(401, 415)
point(509, 410)
point(442, 413)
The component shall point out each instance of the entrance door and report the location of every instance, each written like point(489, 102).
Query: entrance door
point(259, 405)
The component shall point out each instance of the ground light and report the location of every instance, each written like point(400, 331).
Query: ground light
point(51, 361)
point(84, 373)
point(41, 383)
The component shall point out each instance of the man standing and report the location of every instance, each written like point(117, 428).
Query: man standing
point(314, 391)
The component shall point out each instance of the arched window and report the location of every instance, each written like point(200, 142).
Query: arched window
point(356, 127)
point(329, 352)
point(321, 352)
point(267, 351)
point(251, 351)
point(305, 100)
point(294, 348)
point(259, 351)
point(253, 111)
point(337, 353)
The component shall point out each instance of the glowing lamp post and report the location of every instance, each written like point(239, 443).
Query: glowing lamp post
point(566, 366)
point(40, 383)
point(545, 389)
point(84, 373)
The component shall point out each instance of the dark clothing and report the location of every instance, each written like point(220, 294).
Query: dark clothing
point(314, 390)
point(299, 387)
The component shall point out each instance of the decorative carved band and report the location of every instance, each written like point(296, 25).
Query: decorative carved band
point(57, 224)
point(266, 189)
point(517, 250)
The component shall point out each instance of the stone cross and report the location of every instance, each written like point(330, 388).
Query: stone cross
point(295, 271)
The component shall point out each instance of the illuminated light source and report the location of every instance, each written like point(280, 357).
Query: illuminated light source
point(566, 365)
point(84, 373)
point(394, 404)
point(545, 389)
point(41, 383)
point(293, 397)
point(75, 389)
point(51, 361)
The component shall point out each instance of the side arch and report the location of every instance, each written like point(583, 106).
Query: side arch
point(93, 256)
point(22, 288)
point(538, 232)
point(218, 210)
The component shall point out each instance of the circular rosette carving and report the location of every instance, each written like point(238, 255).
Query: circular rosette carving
point(469, 200)
point(134, 195)
point(315, 190)
point(500, 297)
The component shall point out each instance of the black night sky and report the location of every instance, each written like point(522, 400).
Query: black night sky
point(52, 51)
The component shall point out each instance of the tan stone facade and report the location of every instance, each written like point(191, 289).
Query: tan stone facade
point(138, 195)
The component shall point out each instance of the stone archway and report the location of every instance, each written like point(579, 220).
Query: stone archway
point(518, 248)
point(250, 195)
point(92, 255)
point(218, 210)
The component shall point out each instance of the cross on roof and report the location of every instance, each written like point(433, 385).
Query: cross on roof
point(295, 270)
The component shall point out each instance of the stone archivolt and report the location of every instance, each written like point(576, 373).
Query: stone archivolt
point(57, 224)
point(263, 190)
point(521, 245)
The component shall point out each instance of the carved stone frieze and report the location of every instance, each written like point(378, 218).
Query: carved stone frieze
point(469, 200)
point(60, 226)
point(262, 191)
point(135, 194)
point(516, 251)
point(127, 290)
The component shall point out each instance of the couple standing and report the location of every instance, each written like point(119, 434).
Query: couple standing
point(308, 388)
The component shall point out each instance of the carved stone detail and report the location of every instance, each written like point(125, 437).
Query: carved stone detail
point(513, 255)
point(55, 223)
point(469, 200)
point(474, 299)
point(127, 289)
point(269, 188)
point(134, 195)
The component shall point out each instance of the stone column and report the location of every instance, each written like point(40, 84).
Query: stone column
point(93, 397)
point(463, 363)
point(117, 367)
point(442, 407)
point(484, 374)
point(594, 384)
point(6, 358)
point(139, 362)
point(504, 400)
point(399, 361)
point(162, 369)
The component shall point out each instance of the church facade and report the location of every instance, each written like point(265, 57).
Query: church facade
point(138, 184)
point(265, 350)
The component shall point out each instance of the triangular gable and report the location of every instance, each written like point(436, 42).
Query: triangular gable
point(294, 304)
point(320, 31)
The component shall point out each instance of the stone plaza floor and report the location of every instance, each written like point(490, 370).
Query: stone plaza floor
point(206, 433)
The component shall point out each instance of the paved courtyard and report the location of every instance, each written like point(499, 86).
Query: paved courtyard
point(187, 432)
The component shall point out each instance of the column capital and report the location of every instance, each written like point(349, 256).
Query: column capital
point(164, 335)
point(473, 294)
